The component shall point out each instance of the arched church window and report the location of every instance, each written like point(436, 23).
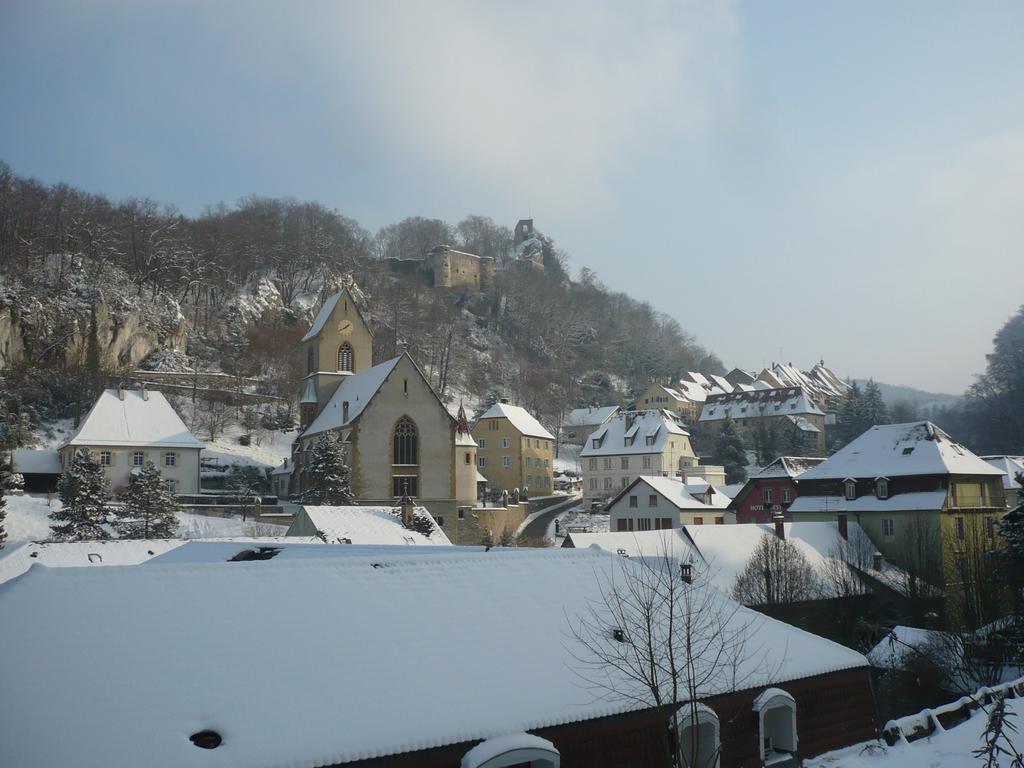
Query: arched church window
point(406, 442)
point(345, 357)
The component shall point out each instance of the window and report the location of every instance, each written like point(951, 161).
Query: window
point(170, 459)
point(850, 486)
point(138, 459)
point(106, 459)
point(768, 495)
point(529, 479)
point(492, 425)
point(643, 524)
point(629, 441)
point(345, 357)
point(172, 485)
point(888, 528)
point(546, 463)
point(633, 501)
point(529, 461)
point(623, 482)
point(506, 461)
point(719, 521)
point(481, 461)
point(593, 483)
point(592, 465)
point(908, 451)
point(882, 488)
point(607, 483)
point(405, 485)
point(785, 496)
point(462, 514)
point(990, 527)
point(624, 462)
point(469, 458)
point(607, 463)
point(646, 462)
point(546, 446)
point(482, 443)
point(662, 523)
point(649, 440)
point(652, 500)
point(625, 524)
point(405, 443)
point(776, 712)
point(698, 521)
point(596, 442)
point(440, 520)
point(960, 530)
point(504, 442)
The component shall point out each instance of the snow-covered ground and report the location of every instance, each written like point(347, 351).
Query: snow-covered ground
point(568, 460)
point(274, 447)
point(943, 749)
point(28, 520)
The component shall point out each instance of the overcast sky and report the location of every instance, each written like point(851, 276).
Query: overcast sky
point(787, 179)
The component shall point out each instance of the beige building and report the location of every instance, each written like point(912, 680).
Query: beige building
point(514, 450)
point(778, 410)
point(458, 269)
point(634, 443)
point(127, 428)
point(399, 436)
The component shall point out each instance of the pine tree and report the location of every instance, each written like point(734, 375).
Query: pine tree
point(150, 510)
point(5, 484)
point(83, 491)
point(328, 475)
point(873, 407)
point(850, 418)
point(730, 452)
point(1011, 528)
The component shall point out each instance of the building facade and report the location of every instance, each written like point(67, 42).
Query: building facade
point(775, 412)
point(771, 490)
point(656, 503)
point(514, 450)
point(580, 422)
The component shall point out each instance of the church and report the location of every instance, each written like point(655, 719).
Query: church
point(400, 437)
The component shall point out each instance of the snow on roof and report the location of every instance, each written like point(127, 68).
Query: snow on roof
point(711, 384)
point(322, 316)
point(185, 659)
point(896, 450)
point(1010, 466)
point(901, 645)
point(784, 401)
point(897, 502)
point(786, 466)
point(659, 424)
point(819, 380)
point(27, 461)
point(678, 494)
point(142, 418)
point(584, 417)
point(521, 419)
point(357, 390)
point(801, 422)
point(286, 468)
point(371, 525)
point(290, 548)
point(15, 561)
point(479, 755)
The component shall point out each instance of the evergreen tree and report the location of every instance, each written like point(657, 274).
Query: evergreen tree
point(83, 491)
point(5, 485)
point(328, 475)
point(850, 418)
point(766, 441)
point(1011, 528)
point(150, 510)
point(730, 452)
point(873, 408)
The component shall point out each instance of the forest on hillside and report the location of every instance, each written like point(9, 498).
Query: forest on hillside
point(92, 288)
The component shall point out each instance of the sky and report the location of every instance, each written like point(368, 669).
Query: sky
point(791, 181)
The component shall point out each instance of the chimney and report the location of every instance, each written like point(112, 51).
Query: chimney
point(286, 461)
point(841, 521)
point(407, 506)
point(145, 392)
point(120, 392)
point(780, 525)
point(877, 561)
point(344, 412)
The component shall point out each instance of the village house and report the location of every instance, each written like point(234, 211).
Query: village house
point(399, 437)
point(126, 428)
point(771, 410)
point(514, 451)
point(1010, 466)
point(580, 422)
point(634, 443)
point(684, 398)
point(910, 486)
point(655, 503)
point(771, 490)
point(369, 622)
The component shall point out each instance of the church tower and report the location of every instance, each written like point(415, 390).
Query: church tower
point(338, 344)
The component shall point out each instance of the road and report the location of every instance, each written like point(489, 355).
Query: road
point(538, 527)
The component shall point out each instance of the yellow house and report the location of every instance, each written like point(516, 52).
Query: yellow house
point(684, 399)
point(514, 450)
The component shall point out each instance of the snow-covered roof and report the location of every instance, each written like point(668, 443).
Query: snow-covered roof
point(786, 401)
point(520, 418)
point(141, 418)
point(322, 316)
point(27, 461)
point(185, 660)
point(585, 417)
point(802, 423)
point(678, 494)
point(820, 380)
point(285, 469)
point(895, 450)
point(1010, 466)
point(786, 466)
point(897, 502)
point(371, 525)
point(15, 560)
point(903, 644)
point(289, 548)
point(357, 390)
point(659, 424)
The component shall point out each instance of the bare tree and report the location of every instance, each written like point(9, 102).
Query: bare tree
point(661, 635)
point(777, 572)
point(848, 558)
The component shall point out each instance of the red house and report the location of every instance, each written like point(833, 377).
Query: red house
point(771, 490)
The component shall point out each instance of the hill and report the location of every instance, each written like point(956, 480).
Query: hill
point(925, 403)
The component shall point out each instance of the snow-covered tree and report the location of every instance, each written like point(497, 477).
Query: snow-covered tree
point(730, 452)
point(84, 493)
point(777, 572)
point(328, 477)
point(150, 509)
point(873, 407)
point(5, 485)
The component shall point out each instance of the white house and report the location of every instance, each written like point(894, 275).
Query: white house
point(654, 503)
point(127, 428)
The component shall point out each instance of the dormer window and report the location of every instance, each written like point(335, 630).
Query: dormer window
point(850, 486)
point(596, 442)
point(882, 488)
point(629, 441)
point(908, 451)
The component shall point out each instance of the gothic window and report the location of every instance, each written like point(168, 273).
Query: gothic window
point(345, 357)
point(406, 442)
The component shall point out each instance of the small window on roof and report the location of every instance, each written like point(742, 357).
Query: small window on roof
point(882, 488)
point(850, 486)
point(908, 451)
